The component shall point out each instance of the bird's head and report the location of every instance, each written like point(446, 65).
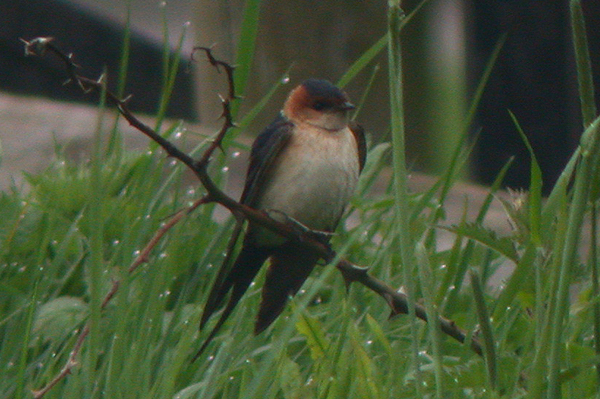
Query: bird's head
point(318, 103)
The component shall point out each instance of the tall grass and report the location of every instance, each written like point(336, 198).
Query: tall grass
point(76, 231)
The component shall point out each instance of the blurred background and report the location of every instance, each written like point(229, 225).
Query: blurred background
point(447, 45)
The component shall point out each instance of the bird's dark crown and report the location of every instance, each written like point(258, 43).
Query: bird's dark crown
point(321, 88)
point(320, 95)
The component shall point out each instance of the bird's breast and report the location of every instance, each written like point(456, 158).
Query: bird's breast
point(313, 178)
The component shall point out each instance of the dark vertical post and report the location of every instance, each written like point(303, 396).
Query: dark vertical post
point(533, 78)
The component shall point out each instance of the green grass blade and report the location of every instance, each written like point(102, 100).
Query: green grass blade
point(401, 239)
point(518, 278)
point(456, 273)
point(247, 119)
point(456, 159)
point(375, 49)
point(22, 365)
point(535, 188)
point(590, 144)
point(486, 330)
point(114, 142)
point(428, 288)
point(588, 107)
point(125, 52)
point(593, 264)
point(166, 62)
point(487, 237)
point(588, 111)
point(545, 308)
point(171, 67)
point(365, 93)
point(95, 210)
point(245, 49)
point(363, 61)
point(585, 77)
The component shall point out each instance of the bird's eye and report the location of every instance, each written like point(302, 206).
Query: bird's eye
point(320, 106)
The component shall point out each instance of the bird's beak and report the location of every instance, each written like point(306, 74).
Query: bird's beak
point(347, 106)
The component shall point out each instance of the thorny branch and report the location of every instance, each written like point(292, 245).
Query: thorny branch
point(397, 301)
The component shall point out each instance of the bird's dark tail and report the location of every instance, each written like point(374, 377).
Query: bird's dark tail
point(290, 267)
point(237, 281)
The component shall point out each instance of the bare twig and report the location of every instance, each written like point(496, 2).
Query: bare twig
point(351, 272)
point(164, 228)
point(72, 362)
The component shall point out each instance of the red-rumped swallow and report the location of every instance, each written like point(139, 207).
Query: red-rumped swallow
point(304, 165)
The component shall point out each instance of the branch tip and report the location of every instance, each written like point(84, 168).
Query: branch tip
point(36, 46)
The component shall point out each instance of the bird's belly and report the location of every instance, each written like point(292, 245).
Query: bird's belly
point(313, 195)
point(313, 185)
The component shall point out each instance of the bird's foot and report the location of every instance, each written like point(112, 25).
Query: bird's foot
point(303, 231)
point(321, 236)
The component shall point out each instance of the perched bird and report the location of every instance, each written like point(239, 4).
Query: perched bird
point(305, 165)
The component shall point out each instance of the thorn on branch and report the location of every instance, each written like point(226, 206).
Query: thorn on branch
point(71, 60)
point(127, 99)
point(101, 79)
